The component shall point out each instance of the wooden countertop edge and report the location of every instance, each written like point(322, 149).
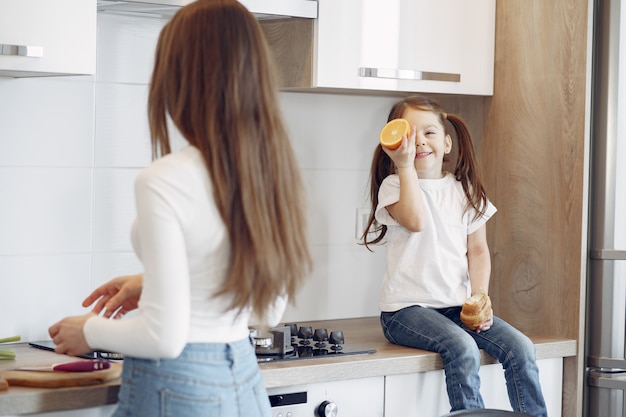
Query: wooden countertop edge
point(23, 400)
point(403, 361)
point(389, 359)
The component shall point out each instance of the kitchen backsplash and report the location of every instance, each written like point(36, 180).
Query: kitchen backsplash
point(70, 148)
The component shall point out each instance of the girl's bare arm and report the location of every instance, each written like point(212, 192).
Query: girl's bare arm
point(409, 208)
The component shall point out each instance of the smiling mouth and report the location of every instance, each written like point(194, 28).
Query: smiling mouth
point(422, 154)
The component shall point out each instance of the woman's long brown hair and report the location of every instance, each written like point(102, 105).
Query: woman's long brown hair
point(214, 78)
point(465, 166)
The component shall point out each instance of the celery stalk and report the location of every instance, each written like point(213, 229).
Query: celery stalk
point(7, 354)
point(10, 339)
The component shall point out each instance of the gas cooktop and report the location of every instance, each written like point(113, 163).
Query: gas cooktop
point(290, 342)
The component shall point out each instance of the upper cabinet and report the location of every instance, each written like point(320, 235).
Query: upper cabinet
point(47, 38)
point(443, 46)
point(262, 9)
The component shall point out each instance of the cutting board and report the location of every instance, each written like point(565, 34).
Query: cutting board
point(58, 379)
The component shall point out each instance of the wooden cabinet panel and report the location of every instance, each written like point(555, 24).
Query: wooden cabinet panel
point(533, 157)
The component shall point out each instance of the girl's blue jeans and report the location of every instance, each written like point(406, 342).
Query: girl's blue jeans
point(208, 380)
point(441, 331)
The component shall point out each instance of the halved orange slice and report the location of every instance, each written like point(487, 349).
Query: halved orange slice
point(392, 133)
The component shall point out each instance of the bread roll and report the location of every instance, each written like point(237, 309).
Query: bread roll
point(476, 309)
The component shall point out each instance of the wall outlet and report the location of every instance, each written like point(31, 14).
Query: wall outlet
point(362, 216)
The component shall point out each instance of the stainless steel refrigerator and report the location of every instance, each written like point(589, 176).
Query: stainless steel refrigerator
point(605, 390)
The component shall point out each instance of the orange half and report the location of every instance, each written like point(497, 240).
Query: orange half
point(392, 133)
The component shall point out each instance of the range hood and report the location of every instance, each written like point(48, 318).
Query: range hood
point(262, 9)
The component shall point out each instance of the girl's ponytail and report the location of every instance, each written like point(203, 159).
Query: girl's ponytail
point(382, 167)
point(466, 167)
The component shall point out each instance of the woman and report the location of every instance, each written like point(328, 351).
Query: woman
point(219, 229)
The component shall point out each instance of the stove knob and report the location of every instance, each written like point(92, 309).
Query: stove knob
point(305, 333)
point(327, 409)
point(320, 335)
point(293, 329)
point(336, 338)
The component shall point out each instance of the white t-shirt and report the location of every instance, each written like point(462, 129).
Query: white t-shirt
point(184, 246)
point(428, 268)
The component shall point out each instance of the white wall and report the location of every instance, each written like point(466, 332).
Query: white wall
point(71, 147)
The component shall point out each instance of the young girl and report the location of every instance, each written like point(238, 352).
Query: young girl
point(220, 227)
point(438, 256)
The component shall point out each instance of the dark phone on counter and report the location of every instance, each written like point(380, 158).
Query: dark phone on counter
point(96, 354)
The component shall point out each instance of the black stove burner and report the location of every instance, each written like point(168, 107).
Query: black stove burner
point(309, 352)
point(289, 343)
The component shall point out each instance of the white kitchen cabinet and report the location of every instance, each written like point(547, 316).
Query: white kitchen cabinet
point(424, 393)
point(443, 46)
point(45, 38)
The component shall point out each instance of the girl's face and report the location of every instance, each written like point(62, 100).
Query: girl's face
point(431, 143)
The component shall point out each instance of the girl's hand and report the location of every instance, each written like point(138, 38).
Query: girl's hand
point(68, 335)
point(486, 325)
point(404, 155)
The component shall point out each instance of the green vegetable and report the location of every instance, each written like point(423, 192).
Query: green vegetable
point(10, 339)
point(7, 354)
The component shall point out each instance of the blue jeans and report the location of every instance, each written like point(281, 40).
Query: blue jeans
point(208, 380)
point(441, 331)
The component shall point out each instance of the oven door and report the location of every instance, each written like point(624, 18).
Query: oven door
point(363, 397)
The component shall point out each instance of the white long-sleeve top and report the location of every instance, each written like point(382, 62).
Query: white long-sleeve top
point(184, 246)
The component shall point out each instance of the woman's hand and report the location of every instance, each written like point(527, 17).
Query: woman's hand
point(68, 335)
point(486, 325)
point(117, 297)
point(404, 155)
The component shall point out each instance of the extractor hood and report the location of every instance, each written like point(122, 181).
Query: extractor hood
point(262, 9)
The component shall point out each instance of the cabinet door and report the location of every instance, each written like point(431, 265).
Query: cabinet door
point(424, 393)
point(360, 397)
point(45, 37)
point(443, 46)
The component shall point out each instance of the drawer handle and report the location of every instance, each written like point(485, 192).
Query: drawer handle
point(400, 74)
point(608, 254)
point(21, 50)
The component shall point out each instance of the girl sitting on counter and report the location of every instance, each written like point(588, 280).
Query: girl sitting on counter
point(437, 257)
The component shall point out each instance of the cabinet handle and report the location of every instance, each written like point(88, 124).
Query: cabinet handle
point(400, 74)
point(604, 362)
point(612, 380)
point(21, 50)
point(608, 254)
